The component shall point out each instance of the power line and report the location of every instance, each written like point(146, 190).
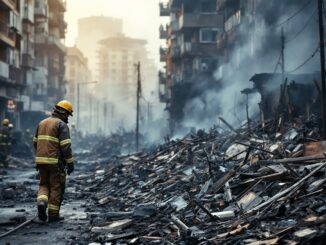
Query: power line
point(306, 61)
point(295, 14)
point(304, 27)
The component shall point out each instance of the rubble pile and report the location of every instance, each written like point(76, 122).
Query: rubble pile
point(107, 147)
point(241, 187)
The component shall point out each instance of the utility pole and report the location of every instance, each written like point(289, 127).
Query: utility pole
point(138, 105)
point(322, 64)
point(91, 112)
point(78, 105)
point(282, 55)
point(149, 114)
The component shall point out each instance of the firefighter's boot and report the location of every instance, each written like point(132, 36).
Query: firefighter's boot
point(41, 208)
point(55, 218)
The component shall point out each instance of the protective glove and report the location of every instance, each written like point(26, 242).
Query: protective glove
point(70, 168)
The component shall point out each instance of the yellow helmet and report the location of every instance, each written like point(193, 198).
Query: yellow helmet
point(5, 122)
point(65, 104)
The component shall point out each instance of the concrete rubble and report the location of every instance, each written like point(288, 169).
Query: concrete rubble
point(212, 188)
point(215, 187)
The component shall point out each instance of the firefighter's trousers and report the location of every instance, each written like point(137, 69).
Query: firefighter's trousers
point(51, 187)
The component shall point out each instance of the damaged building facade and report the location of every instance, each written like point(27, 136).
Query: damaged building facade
point(11, 84)
point(50, 30)
point(191, 55)
point(212, 44)
point(32, 57)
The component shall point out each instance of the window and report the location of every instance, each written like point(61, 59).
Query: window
point(208, 35)
point(208, 7)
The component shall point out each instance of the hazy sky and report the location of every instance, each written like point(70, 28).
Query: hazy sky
point(140, 18)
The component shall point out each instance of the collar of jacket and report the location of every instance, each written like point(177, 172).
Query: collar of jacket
point(61, 117)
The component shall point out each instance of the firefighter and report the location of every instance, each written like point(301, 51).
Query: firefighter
point(5, 142)
point(53, 159)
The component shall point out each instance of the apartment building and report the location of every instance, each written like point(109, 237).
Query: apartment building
point(118, 57)
point(27, 51)
point(11, 83)
point(91, 30)
point(50, 30)
point(191, 56)
point(78, 76)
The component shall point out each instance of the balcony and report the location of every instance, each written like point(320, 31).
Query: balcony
point(4, 70)
point(220, 41)
point(6, 34)
point(56, 42)
point(15, 74)
point(59, 5)
point(164, 9)
point(162, 78)
point(164, 32)
point(27, 47)
point(41, 38)
point(175, 4)
point(175, 52)
point(200, 20)
point(27, 61)
point(12, 4)
point(222, 4)
point(201, 49)
point(163, 52)
point(41, 11)
point(54, 65)
point(233, 21)
point(28, 14)
point(28, 28)
point(57, 20)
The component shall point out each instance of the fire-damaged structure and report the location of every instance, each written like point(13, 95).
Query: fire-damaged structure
point(298, 95)
point(192, 55)
point(212, 44)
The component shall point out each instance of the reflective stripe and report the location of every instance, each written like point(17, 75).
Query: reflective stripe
point(70, 160)
point(42, 198)
point(47, 160)
point(47, 137)
point(53, 207)
point(35, 139)
point(65, 142)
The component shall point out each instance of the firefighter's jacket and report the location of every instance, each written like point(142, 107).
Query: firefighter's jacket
point(52, 142)
point(5, 140)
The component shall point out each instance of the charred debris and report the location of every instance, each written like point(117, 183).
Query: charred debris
point(263, 183)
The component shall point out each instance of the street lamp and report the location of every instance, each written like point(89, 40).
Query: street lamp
point(78, 99)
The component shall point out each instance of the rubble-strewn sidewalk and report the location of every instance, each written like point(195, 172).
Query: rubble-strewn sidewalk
point(210, 188)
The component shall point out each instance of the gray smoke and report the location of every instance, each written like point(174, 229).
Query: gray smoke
point(259, 54)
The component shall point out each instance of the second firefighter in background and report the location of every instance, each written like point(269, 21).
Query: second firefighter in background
point(52, 144)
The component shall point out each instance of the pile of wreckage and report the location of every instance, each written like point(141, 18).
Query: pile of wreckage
point(257, 186)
